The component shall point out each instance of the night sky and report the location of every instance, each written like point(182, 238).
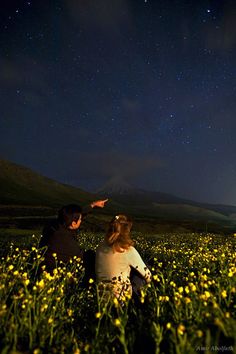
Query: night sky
point(143, 90)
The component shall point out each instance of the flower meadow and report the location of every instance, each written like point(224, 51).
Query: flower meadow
point(189, 307)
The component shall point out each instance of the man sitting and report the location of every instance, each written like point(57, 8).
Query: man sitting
point(60, 236)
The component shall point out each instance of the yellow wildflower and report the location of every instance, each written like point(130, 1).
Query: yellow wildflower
point(186, 289)
point(164, 298)
point(37, 350)
point(69, 312)
point(48, 275)
point(86, 348)
point(115, 301)
point(44, 307)
point(187, 300)
point(41, 284)
point(207, 294)
point(77, 351)
point(199, 333)
point(181, 329)
point(224, 294)
point(50, 290)
point(117, 322)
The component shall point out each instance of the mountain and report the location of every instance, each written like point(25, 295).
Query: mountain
point(165, 205)
point(116, 186)
point(123, 192)
point(22, 186)
point(25, 193)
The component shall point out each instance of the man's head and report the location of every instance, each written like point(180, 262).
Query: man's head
point(70, 216)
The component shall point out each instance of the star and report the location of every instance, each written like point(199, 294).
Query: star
point(130, 81)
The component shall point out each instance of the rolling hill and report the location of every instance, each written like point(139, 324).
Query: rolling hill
point(25, 193)
point(164, 205)
point(21, 186)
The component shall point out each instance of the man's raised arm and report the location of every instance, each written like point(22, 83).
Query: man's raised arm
point(96, 204)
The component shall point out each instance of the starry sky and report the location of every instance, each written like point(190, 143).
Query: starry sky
point(141, 90)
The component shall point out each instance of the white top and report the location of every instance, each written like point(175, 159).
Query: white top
point(116, 266)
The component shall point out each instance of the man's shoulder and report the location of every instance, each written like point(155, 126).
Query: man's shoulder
point(51, 226)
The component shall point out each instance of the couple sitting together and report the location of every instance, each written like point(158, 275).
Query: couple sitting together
point(116, 264)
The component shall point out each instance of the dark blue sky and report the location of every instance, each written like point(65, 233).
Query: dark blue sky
point(142, 89)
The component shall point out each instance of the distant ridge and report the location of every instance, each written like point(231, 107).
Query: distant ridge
point(22, 186)
point(124, 192)
point(160, 203)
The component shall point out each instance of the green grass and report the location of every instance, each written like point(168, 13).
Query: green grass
point(190, 304)
point(16, 234)
point(20, 237)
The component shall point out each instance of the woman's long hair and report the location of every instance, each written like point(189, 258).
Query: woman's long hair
point(118, 234)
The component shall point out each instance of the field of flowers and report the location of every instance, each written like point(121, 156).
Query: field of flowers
point(189, 307)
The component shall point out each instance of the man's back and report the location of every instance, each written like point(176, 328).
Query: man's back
point(60, 240)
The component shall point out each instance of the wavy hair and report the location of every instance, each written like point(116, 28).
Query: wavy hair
point(118, 234)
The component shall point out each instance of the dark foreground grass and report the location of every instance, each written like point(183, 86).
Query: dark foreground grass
point(189, 307)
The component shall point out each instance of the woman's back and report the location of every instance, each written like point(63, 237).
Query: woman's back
point(111, 265)
point(116, 255)
point(115, 267)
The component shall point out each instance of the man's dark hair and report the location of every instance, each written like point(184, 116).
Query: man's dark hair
point(69, 213)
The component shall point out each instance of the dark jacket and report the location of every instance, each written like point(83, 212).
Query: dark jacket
point(58, 239)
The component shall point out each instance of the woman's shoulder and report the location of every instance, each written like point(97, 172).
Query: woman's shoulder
point(132, 250)
point(103, 246)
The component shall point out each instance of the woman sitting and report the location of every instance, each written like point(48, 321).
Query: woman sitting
point(115, 256)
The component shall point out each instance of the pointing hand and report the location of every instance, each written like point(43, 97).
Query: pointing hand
point(99, 203)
